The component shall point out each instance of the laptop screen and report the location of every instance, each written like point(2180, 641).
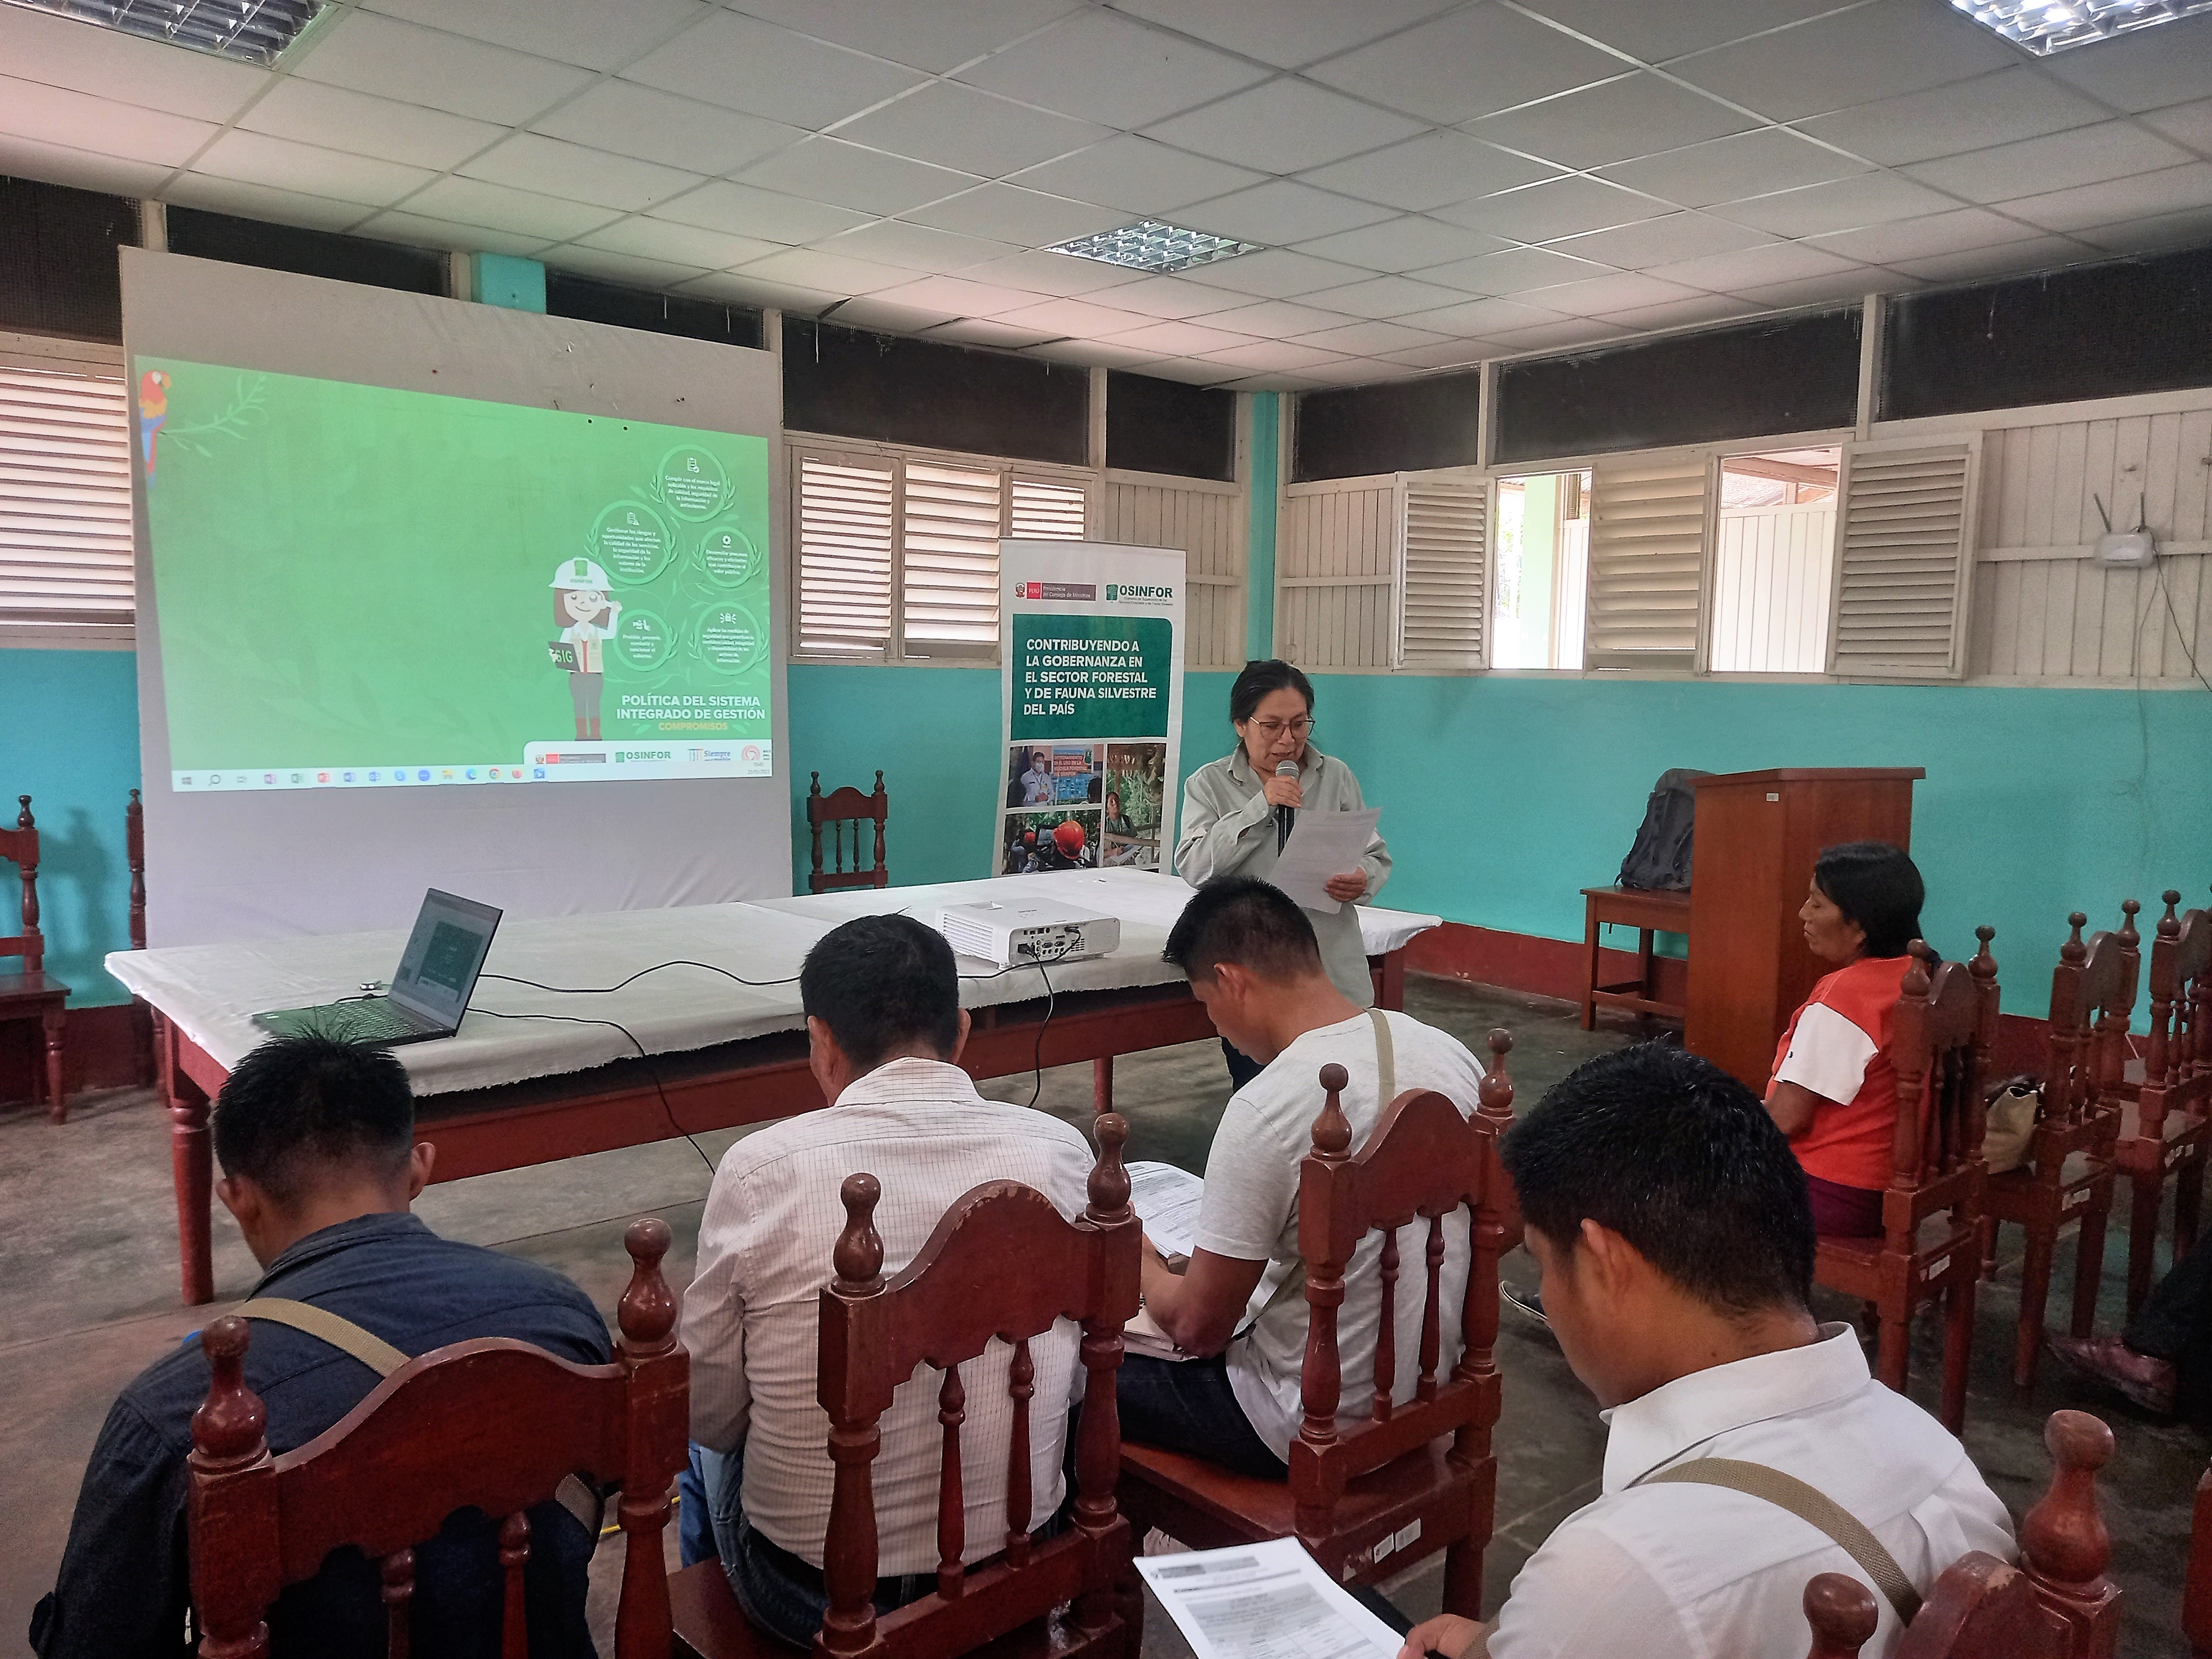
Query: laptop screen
point(444, 954)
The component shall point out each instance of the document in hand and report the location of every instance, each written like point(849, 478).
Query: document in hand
point(1321, 845)
point(1166, 1200)
point(1267, 1601)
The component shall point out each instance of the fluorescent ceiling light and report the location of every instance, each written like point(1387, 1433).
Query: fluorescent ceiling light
point(251, 31)
point(2047, 26)
point(1150, 245)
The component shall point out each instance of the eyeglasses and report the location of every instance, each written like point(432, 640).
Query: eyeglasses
point(1270, 730)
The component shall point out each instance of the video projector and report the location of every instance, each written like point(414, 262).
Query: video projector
point(1022, 935)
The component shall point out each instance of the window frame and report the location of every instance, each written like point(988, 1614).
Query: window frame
point(58, 354)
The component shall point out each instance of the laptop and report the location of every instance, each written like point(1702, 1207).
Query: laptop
point(437, 974)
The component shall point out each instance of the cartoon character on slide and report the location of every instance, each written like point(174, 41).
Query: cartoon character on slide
point(586, 613)
point(153, 409)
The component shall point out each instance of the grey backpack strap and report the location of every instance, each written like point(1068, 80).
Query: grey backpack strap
point(1809, 1504)
point(1386, 1061)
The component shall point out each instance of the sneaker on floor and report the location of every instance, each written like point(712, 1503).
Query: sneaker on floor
point(2145, 1381)
point(1529, 1302)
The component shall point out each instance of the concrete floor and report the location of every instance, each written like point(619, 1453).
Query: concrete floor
point(88, 1297)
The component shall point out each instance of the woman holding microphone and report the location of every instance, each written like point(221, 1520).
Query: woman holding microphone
point(1230, 825)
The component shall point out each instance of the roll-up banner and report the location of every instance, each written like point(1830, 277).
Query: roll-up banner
point(1091, 635)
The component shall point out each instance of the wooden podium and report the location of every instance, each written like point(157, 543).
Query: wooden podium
point(1757, 836)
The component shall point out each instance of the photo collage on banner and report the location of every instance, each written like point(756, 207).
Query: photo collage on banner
point(1091, 638)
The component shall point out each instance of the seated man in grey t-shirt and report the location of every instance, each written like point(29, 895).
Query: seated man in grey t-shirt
point(1241, 1306)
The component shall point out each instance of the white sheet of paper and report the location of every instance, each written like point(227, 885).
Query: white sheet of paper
point(1166, 1198)
point(1321, 845)
point(1264, 1601)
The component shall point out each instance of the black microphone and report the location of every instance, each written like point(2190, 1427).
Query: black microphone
point(1284, 816)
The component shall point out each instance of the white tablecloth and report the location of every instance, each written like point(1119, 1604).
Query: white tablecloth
point(212, 991)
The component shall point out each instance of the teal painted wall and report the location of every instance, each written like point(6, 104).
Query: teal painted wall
point(69, 739)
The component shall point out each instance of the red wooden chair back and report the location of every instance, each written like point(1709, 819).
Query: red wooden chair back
point(134, 855)
point(1002, 1264)
point(491, 1424)
point(2197, 1587)
point(21, 847)
point(837, 809)
point(2093, 995)
point(1939, 1045)
point(2178, 1054)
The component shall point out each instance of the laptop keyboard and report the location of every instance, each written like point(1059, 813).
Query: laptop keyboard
point(380, 1018)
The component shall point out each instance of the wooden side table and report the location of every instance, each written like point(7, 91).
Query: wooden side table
point(1646, 912)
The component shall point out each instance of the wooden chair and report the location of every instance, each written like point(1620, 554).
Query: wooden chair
point(1931, 1240)
point(837, 809)
point(1417, 1476)
point(1002, 1262)
point(2169, 1140)
point(134, 855)
point(493, 1423)
point(2069, 1172)
point(34, 994)
point(2197, 1586)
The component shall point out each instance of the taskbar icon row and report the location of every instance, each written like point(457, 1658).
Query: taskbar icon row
point(348, 777)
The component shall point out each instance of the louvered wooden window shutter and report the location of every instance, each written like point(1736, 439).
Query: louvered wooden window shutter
point(1443, 573)
point(1904, 558)
point(1043, 511)
point(953, 517)
point(65, 545)
point(844, 518)
point(1647, 547)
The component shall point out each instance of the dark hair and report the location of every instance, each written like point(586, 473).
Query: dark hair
point(881, 983)
point(1678, 1158)
point(296, 1102)
point(1256, 679)
point(1877, 886)
point(1243, 919)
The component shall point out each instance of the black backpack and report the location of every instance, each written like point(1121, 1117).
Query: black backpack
point(1659, 862)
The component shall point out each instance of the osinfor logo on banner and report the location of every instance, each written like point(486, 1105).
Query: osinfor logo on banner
point(1091, 638)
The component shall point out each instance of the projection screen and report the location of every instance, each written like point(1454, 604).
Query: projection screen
point(440, 594)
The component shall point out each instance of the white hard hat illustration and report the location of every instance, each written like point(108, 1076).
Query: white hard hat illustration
point(581, 574)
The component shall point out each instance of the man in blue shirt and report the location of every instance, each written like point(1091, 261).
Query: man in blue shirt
point(316, 1141)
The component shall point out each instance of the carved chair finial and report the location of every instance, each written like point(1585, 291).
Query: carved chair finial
point(1331, 1130)
point(1842, 1614)
point(2064, 1538)
point(859, 1257)
point(1494, 1094)
point(227, 1429)
point(647, 1312)
point(1109, 1180)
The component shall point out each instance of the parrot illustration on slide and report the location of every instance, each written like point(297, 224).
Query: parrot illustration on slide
point(153, 409)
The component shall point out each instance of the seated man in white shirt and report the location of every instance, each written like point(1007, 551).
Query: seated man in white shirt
point(885, 1024)
point(1254, 962)
point(1675, 1236)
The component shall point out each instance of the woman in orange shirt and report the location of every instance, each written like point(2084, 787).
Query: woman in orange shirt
point(1834, 1091)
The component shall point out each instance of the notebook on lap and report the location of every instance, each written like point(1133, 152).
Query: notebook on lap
point(431, 989)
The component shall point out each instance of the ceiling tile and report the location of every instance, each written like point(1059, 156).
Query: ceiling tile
point(658, 274)
point(1510, 271)
point(1284, 126)
point(81, 169)
point(1843, 288)
point(1599, 294)
point(284, 165)
point(2042, 253)
point(958, 296)
point(1196, 371)
point(927, 34)
point(1872, 198)
point(958, 126)
point(1635, 115)
point(1183, 338)
point(557, 167)
point(1172, 297)
point(252, 201)
point(2185, 124)
point(830, 170)
point(2190, 229)
point(1989, 109)
point(1025, 218)
point(1385, 296)
point(1852, 56)
point(1451, 354)
point(1285, 32)
point(1137, 175)
point(653, 125)
point(416, 231)
point(1483, 317)
point(1728, 169)
point(1755, 267)
point(1682, 313)
point(1656, 33)
point(63, 53)
point(1077, 316)
point(1276, 274)
point(1371, 339)
point(1279, 319)
point(735, 289)
point(396, 59)
point(340, 120)
point(1052, 273)
point(1434, 170)
point(1475, 61)
point(680, 245)
point(1561, 207)
point(811, 268)
point(2143, 196)
point(1281, 211)
point(1100, 66)
point(2085, 156)
point(1275, 355)
point(1578, 331)
point(743, 63)
point(1926, 237)
point(1355, 371)
point(1402, 245)
point(743, 210)
point(983, 331)
point(2146, 70)
point(29, 109)
point(889, 315)
point(587, 32)
point(1659, 241)
point(1093, 353)
point(913, 247)
point(470, 202)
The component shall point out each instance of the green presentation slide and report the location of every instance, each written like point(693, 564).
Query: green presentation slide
point(361, 587)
